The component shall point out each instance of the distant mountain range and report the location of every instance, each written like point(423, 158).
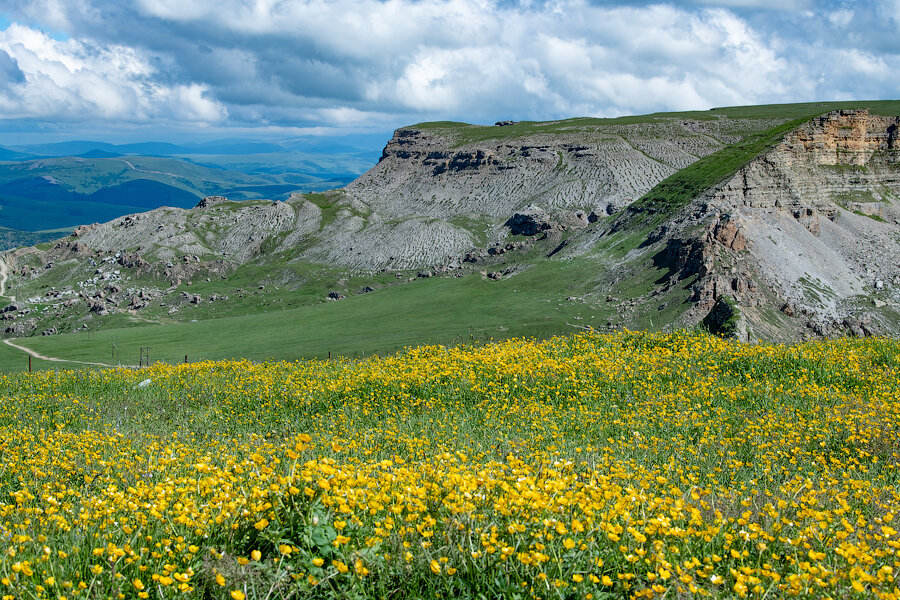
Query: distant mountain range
point(65, 184)
point(359, 144)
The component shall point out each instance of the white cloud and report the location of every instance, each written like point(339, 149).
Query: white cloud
point(179, 10)
point(890, 9)
point(340, 62)
point(780, 5)
point(192, 103)
point(600, 60)
point(865, 63)
point(840, 18)
point(74, 80)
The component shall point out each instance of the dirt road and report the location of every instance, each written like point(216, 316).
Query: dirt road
point(12, 342)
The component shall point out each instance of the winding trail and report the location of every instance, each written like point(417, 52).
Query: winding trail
point(4, 275)
point(12, 342)
point(134, 168)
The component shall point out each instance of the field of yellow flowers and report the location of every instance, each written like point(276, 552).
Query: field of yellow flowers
point(593, 466)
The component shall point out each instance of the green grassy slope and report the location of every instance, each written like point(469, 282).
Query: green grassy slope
point(13, 360)
point(437, 310)
point(677, 190)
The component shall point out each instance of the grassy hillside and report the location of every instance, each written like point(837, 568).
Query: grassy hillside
point(436, 310)
point(620, 466)
point(679, 189)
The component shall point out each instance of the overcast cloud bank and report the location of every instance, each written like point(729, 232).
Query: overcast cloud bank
point(275, 65)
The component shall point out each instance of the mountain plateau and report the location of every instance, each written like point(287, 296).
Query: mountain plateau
point(779, 224)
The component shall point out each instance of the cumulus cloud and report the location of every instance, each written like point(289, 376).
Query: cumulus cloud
point(348, 62)
point(780, 5)
point(76, 80)
point(10, 73)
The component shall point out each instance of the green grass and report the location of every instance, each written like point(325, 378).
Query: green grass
point(677, 190)
point(465, 133)
point(873, 217)
point(14, 360)
point(436, 310)
point(760, 471)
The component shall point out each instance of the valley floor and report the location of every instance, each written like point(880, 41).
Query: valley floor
point(435, 310)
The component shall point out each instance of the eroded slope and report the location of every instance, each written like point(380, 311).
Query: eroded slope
point(797, 235)
point(805, 239)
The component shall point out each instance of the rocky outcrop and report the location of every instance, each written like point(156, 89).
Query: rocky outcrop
point(701, 258)
point(211, 200)
point(791, 223)
point(726, 232)
point(226, 230)
point(531, 221)
point(846, 137)
point(438, 171)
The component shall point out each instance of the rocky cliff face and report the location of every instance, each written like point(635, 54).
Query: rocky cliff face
point(817, 224)
point(439, 190)
point(849, 137)
point(440, 173)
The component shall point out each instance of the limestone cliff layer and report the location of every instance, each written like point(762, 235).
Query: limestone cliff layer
point(439, 172)
point(821, 216)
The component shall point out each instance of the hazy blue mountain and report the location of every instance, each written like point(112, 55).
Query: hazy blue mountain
point(234, 147)
point(347, 144)
point(151, 149)
point(64, 184)
point(100, 154)
point(38, 189)
point(8, 154)
point(38, 204)
point(73, 148)
point(145, 194)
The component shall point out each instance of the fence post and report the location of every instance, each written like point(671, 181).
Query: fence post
point(29, 363)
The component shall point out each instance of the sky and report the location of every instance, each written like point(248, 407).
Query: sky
point(194, 70)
